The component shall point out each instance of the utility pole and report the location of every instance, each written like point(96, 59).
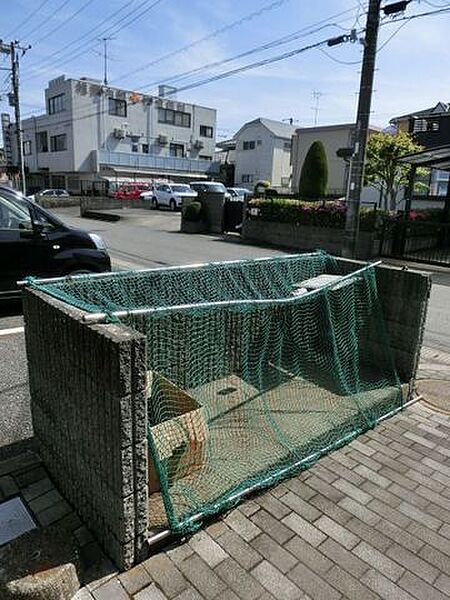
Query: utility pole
point(356, 173)
point(11, 49)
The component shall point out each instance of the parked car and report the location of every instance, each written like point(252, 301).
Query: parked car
point(132, 191)
point(238, 193)
point(170, 194)
point(33, 241)
point(54, 193)
point(210, 186)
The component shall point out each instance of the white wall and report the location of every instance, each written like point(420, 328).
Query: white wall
point(332, 139)
point(269, 160)
point(89, 127)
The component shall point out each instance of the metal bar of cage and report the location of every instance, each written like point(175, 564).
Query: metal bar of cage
point(95, 318)
point(166, 533)
point(25, 282)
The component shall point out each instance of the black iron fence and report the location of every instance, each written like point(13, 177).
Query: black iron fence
point(419, 241)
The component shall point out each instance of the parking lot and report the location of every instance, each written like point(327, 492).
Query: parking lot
point(145, 239)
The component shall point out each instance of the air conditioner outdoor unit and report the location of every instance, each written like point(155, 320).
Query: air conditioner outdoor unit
point(198, 144)
point(119, 133)
point(163, 140)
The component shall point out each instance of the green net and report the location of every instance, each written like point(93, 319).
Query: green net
point(255, 369)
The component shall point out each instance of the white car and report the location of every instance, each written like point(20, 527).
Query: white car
point(54, 193)
point(170, 194)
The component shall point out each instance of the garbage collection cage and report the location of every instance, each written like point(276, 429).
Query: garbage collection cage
point(255, 368)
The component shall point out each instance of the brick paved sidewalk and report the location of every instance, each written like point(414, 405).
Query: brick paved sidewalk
point(371, 520)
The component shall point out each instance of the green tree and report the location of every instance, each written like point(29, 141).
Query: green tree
point(382, 169)
point(314, 174)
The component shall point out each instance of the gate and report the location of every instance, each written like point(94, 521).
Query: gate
point(233, 214)
point(417, 241)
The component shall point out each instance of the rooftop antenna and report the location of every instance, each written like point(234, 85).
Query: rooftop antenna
point(316, 94)
point(105, 41)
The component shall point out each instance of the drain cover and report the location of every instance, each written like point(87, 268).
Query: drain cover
point(14, 520)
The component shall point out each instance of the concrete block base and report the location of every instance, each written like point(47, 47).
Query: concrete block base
point(39, 565)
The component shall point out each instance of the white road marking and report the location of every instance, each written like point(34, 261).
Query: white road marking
point(12, 330)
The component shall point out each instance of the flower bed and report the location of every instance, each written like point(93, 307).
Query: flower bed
point(329, 213)
point(314, 214)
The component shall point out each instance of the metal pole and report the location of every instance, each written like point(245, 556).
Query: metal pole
point(105, 56)
point(361, 129)
point(19, 132)
point(166, 534)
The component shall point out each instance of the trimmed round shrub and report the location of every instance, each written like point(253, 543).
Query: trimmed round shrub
point(193, 212)
point(314, 174)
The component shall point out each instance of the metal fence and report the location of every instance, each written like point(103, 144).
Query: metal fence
point(419, 241)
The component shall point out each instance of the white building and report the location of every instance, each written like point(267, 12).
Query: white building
point(263, 150)
point(92, 134)
point(333, 138)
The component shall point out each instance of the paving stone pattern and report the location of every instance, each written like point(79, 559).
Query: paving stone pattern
point(371, 520)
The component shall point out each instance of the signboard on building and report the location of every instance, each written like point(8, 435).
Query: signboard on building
point(7, 141)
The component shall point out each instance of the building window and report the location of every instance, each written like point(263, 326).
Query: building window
point(205, 157)
point(248, 145)
point(176, 150)
point(433, 126)
point(287, 145)
point(258, 142)
point(134, 148)
point(58, 143)
point(144, 148)
point(206, 131)
point(42, 141)
point(174, 117)
point(117, 107)
point(27, 148)
point(56, 104)
point(419, 125)
point(247, 178)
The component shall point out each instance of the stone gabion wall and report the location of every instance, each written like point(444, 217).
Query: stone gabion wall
point(89, 409)
point(404, 298)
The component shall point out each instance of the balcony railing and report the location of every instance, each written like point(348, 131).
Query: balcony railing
point(165, 164)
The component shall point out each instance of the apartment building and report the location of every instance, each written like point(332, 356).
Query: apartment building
point(263, 150)
point(92, 134)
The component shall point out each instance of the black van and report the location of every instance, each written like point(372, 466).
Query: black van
point(34, 241)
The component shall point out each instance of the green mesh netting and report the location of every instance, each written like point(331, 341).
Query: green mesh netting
point(255, 369)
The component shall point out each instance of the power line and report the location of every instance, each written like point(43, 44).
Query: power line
point(84, 35)
point(64, 23)
point(254, 65)
point(27, 18)
point(292, 53)
point(46, 19)
point(338, 60)
point(392, 36)
point(246, 18)
point(111, 30)
point(304, 32)
point(270, 60)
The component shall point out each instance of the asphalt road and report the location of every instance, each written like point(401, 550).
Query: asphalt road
point(144, 239)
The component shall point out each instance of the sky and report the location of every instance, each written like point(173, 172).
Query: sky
point(154, 40)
